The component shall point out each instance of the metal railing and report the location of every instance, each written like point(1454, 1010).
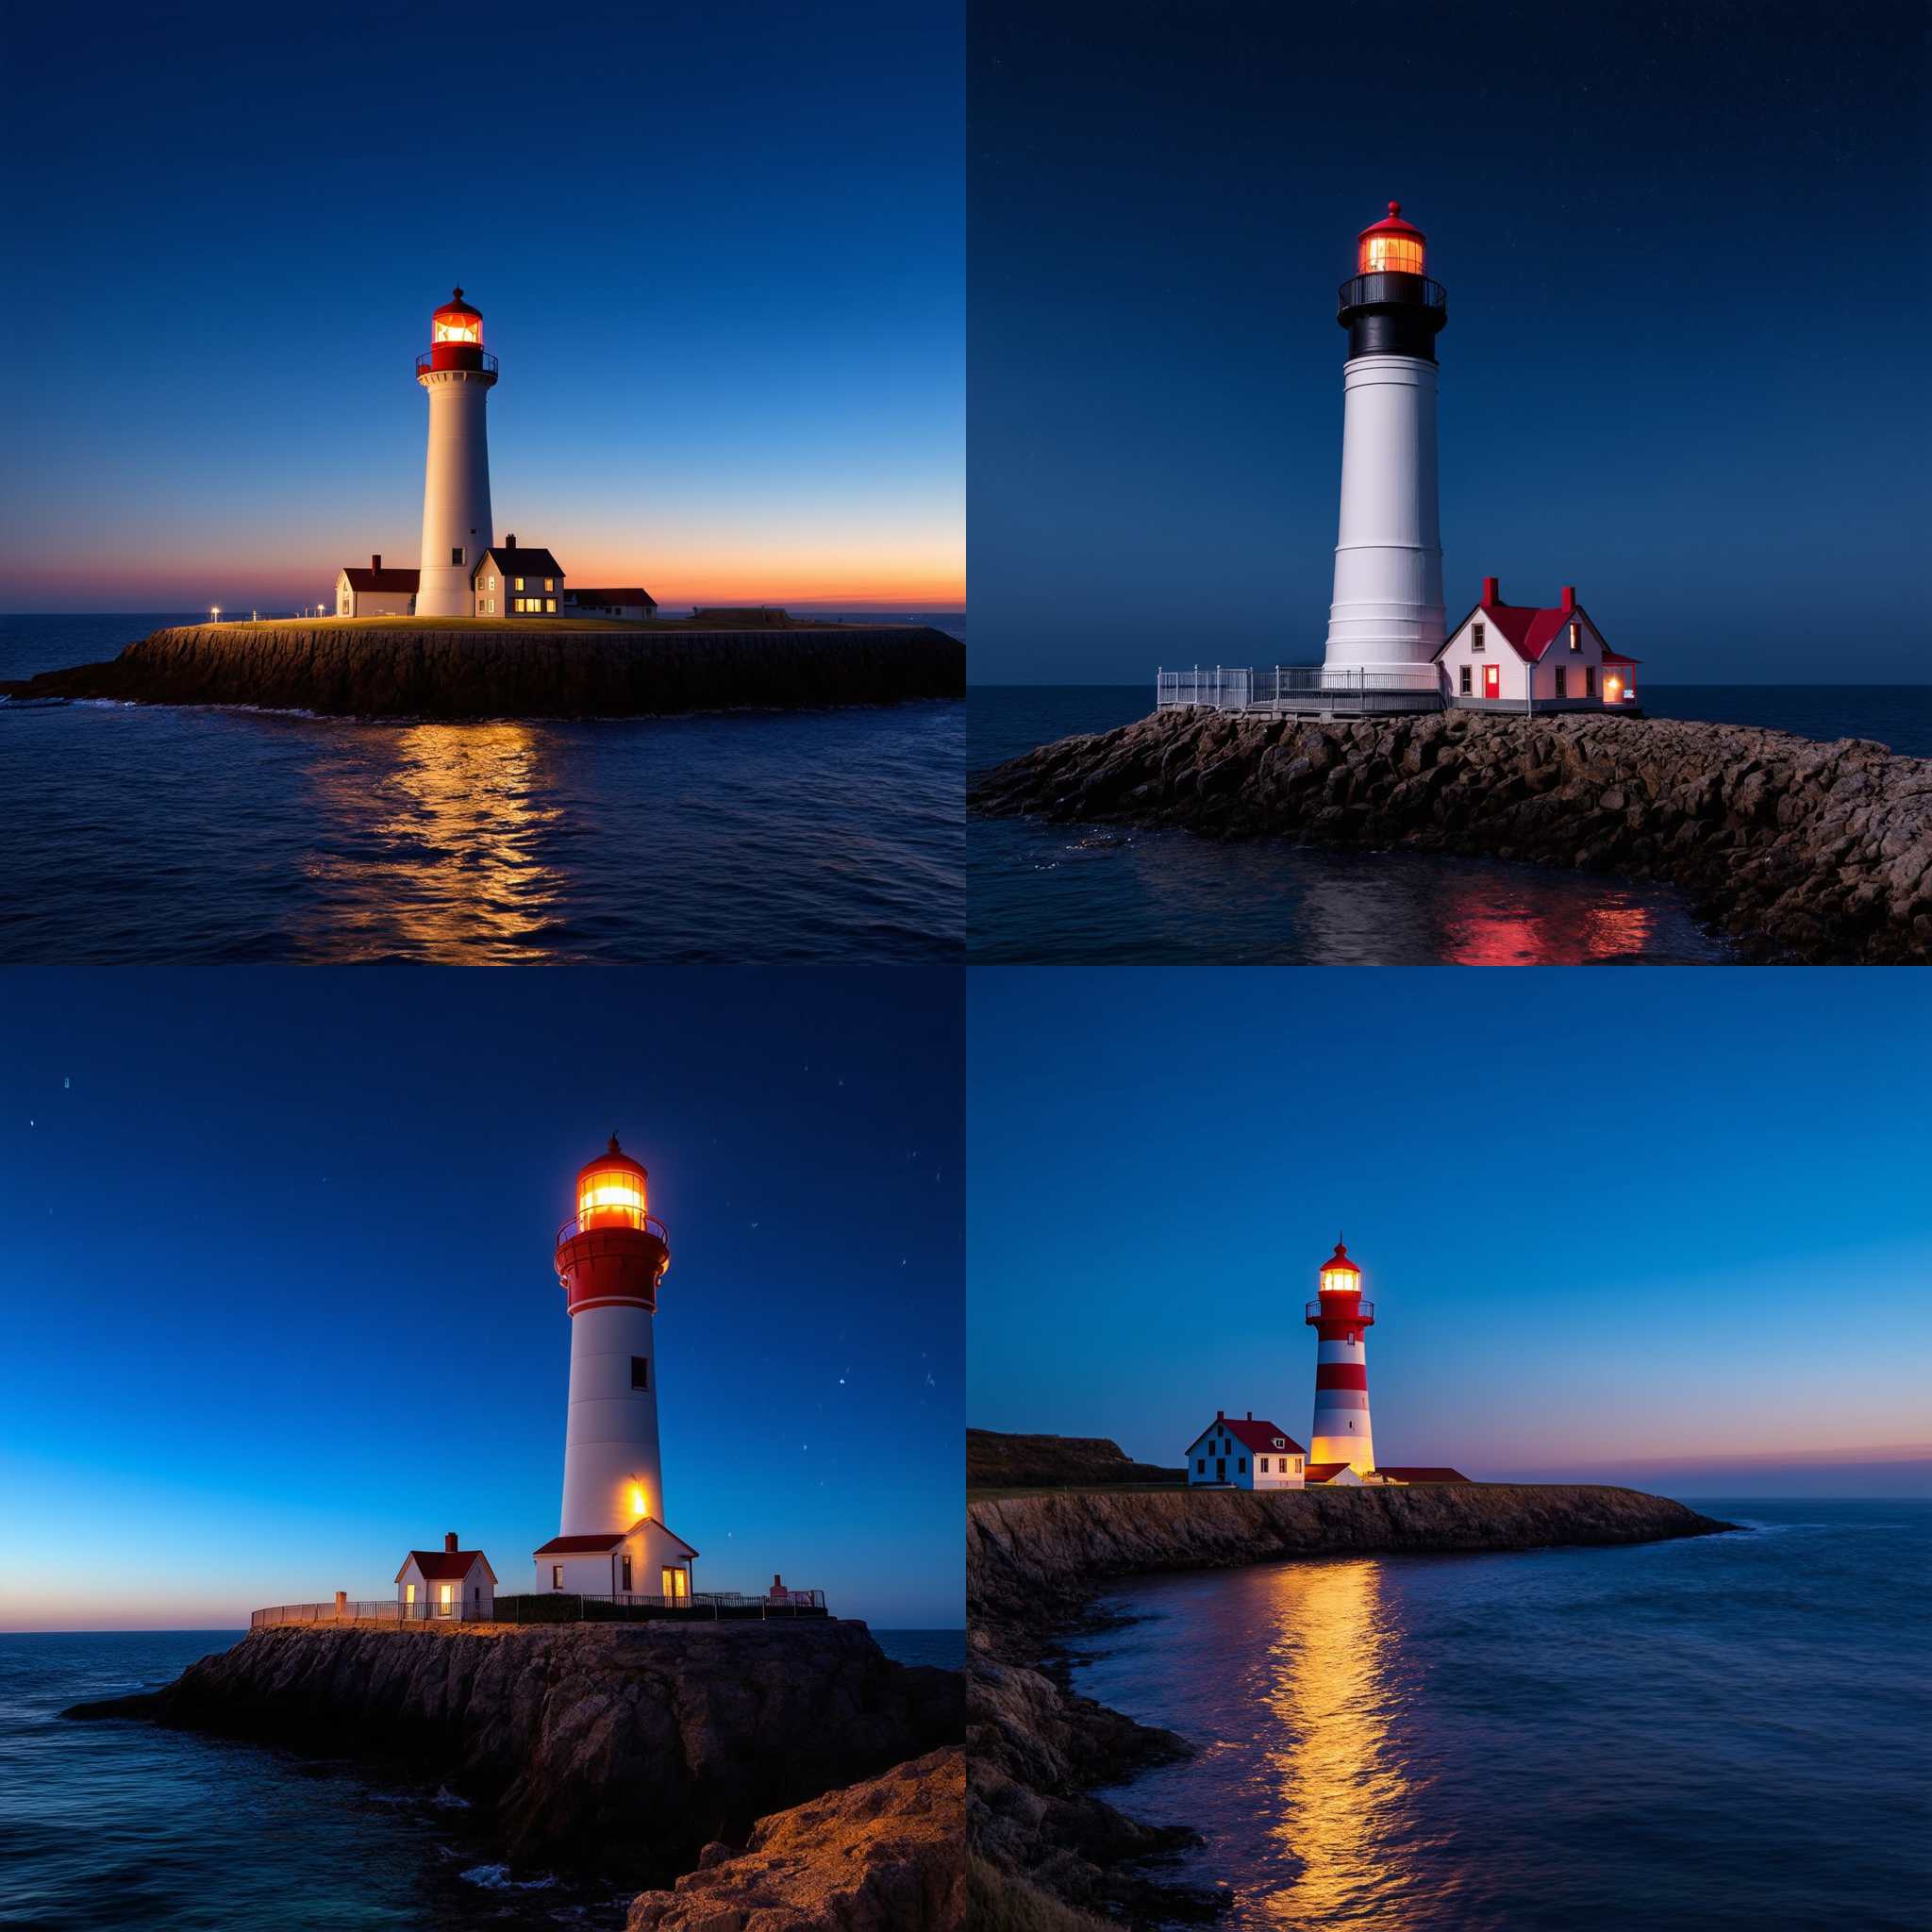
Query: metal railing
point(548, 1606)
point(1390, 286)
point(1314, 1312)
point(1300, 688)
point(611, 1215)
point(426, 361)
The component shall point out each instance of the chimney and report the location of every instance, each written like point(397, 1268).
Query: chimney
point(776, 1582)
point(449, 1542)
point(1569, 597)
point(510, 542)
point(1492, 590)
point(376, 560)
point(1221, 1415)
point(1251, 1415)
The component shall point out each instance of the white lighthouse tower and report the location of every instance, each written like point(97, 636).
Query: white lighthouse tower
point(1340, 1318)
point(458, 374)
point(611, 1256)
point(1387, 615)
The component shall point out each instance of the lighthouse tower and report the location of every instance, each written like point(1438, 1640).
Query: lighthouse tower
point(611, 1256)
point(1387, 615)
point(458, 374)
point(1341, 1317)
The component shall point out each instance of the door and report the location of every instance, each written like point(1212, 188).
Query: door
point(447, 1599)
point(627, 1576)
point(1492, 680)
point(1221, 1469)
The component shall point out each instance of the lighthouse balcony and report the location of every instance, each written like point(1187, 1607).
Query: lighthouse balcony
point(1363, 1312)
point(607, 1220)
point(447, 356)
point(1390, 289)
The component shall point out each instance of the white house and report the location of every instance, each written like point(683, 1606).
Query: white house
point(1238, 1453)
point(645, 1561)
point(630, 603)
point(512, 582)
point(1336, 1475)
point(375, 592)
point(446, 1583)
point(1513, 657)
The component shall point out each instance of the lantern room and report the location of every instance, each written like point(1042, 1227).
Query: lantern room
point(456, 338)
point(1340, 1275)
point(612, 1249)
point(1392, 246)
point(612, 1191)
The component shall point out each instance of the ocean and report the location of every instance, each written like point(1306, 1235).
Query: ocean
point(138, 833)
point(126, 1827)
point(1732, 1731)
point(1099, 896)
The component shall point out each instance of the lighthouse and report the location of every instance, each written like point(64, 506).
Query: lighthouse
point(458, 375)
point(611, 1255)
point(1387, 615)
point(1340, 1318)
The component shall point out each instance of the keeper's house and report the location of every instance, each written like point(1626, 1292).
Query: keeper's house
point(629, 603)
point(1238, 1453)
point(1513, 656)
point(512, 582)
point(375, 592)
point(448, 1583)
point(646, 1560)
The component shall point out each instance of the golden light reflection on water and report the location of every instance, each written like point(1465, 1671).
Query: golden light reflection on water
point(1338, 1796)
point(428, 845)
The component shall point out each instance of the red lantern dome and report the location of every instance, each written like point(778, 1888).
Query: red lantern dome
point(1392, 246)
point(612, 1249)
point(1338, 1264)
point(456, 338)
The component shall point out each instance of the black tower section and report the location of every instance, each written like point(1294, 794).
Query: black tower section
point(1393, 314)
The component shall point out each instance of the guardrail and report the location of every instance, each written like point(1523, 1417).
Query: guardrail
point(1299, 688)
point(1390, 286)
point(1314, 1312)
point(613, 1214)
point(426, 361)
point(548, 1606)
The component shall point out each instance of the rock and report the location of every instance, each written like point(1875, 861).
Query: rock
point(1737, 817)
point(996, 1461)
point(885, 1856)
point(411, 670)
point(619, 1747)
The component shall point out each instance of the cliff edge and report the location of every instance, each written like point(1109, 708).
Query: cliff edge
point(418, 671)
point(624, 1748)
point(1802, 851)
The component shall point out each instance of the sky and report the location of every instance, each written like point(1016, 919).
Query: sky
point(719, 252)
point(278, 1299)
point(1678, 243)
point(1615, 1230)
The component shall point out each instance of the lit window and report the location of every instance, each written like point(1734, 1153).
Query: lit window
point(550, 583)
point(518, 585)
point(557, 1576)
point(549, 603)
point(492, 583)
point(408, 1592)
point(1576, 637)
point(493, 607)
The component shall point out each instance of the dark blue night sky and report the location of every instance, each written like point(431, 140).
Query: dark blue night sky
point(279, 1295)
point(1684, 252)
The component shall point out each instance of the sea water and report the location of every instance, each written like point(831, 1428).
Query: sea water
point(1100, 895)
point(137, 833)
point(128, 1827)
point(1730, 1731)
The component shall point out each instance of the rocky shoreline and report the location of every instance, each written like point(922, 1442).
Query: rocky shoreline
point(407, 670)
point(641, 1751)
point(1036, 1751)
point(1801, 851)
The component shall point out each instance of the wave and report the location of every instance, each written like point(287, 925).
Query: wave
point(497, 1878)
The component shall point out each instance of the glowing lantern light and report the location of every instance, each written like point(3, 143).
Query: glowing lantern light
point(637, 1502)
point(1391, 248)
point(1340, 1275)
point(612, 1192)
point(456, 321)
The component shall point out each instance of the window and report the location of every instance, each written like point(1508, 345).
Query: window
point(627, 1576)
point(1297, 1465)
point(1264, 1465)
point(1576, 637)
point(1243, 1465)
point(1475, 637)
point(408, 1592)
point(518, 586)
point(641, 1371)
point(445, 1598)
point(550, 583)
point(1561, 675)
point(676, 1584)
point(493, 607)
point(1589, 680)
point(549, 603)
point(1200, 1465)
point(557, 1576)
point(492, 583)
point(456, 555)
point(1468, 672)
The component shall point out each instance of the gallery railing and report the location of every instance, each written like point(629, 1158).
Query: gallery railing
point(547, 1606)
point(1315, 1310)
point(1300, 688)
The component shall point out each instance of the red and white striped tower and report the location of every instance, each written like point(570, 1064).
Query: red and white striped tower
point(1340, 1318)
point(611, 1256)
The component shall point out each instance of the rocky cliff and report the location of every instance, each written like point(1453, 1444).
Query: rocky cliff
point(1036, 1752)
point(885, 1856)
point(1802, 851)
point(409, 670)
point(624, 1748)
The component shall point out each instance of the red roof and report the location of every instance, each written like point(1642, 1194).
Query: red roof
point(1530, 629)
point(581, 1545)
point(444, 1566)
point(1392, 223)
point(631, 593)
point(1256, 1435)
point(1417, 1473)
point(1324, 1472)
point(362, 579)
point(456, 306)
point(1339, 1262)
point(1611, 656)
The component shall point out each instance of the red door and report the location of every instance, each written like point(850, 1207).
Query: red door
point(1492, 680)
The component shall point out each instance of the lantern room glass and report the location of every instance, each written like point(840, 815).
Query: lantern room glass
point(612, 1197)
point(1340, 1280)
point(1383, 253)
point(456, 325)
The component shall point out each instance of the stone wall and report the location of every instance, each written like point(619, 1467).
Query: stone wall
point(1802, 851)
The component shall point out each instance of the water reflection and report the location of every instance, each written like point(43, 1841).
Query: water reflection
point(428, 844)
point(1338, 1799)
